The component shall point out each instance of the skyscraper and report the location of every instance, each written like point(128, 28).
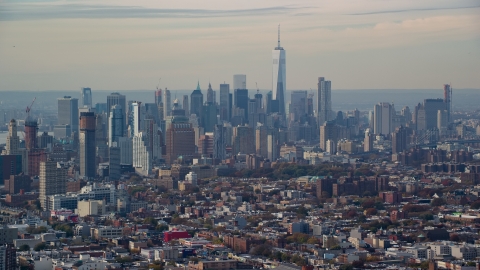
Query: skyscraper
point(196, 102)
point(13, 141)
point(167, 103)
point(118, 99)
point(68, 112)
point(239, 81)
point(142, 157)
point(219, 142)
point(86, 97)
point(324, 104)
point(224, 102)
point(279, 75)
point(328, 131)
point(87, 144)
point(210, 94)
point(136, 107)
point(241, 101)
point(399, 140)
point(185, 105)
point(180, 140)
point(298, 104)
point(383, 114)
point(243, 140)
point(447, 98)
point(52, 181)
point(115, 124)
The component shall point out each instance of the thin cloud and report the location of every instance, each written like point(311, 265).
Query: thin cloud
point(412, 9)
point(75, 11)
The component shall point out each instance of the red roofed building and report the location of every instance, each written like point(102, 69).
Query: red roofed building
point(172, 235)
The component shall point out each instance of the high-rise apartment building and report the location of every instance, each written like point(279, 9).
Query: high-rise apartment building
point(136, 117)
point(324, 102)
point(68, 112)
point(243, 140)
point(383, 114)
point(87, 144)
point(328, 131)
point(86, 97)
point(52, 181)
point(126, 150)
point(219, 142)
point(399, 140)
point(115, 124)
point(279, 75)
point(196, 102)
point(224, 102)
point(13, 141)
point(209, 116)
point(142, 157)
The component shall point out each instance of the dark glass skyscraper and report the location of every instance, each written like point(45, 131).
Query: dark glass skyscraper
point(196, 102)
point(87, 144)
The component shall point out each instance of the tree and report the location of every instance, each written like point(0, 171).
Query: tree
point(371, 211)
point(40, 246)
point(24, 248)
point(369, 203)
point(438, 202)
point(151, 221)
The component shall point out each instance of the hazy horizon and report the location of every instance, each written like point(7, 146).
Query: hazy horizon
point(366, 44)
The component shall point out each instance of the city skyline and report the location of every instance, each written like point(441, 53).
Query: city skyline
point(364, 45)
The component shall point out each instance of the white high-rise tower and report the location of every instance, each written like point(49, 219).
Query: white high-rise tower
point(279, 76)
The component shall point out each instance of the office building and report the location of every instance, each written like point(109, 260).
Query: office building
point(196, 102)
point(87, 144)
point(167, 103)
point(86, 93)
point(279, 75)
point(447, 98)
point(185, 105)
point(52, 181)
point(383, 114)
point(13, 141)
point(261, 140)
point(224, 109)
point(426, 113)
point(239, 81)
point(209, 116)
point(324, 101)
point(115, 124)
point(241, 102)
point(118, 99)
point(180, 139)
point(210, 94)
point(298, 105)
point(68, 112)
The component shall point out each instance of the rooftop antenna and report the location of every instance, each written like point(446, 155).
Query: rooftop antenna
point(158, 85)
point(279, 36)
point(258, 90)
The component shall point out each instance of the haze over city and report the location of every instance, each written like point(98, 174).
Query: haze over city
point(285, 135)
point(125, 45)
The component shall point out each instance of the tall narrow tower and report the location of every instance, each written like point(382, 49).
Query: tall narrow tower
point(279, 76)
point(87, 144)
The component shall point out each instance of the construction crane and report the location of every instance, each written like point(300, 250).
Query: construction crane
point(30, 107)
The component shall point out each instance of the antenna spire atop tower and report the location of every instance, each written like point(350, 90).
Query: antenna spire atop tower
point(279, 35)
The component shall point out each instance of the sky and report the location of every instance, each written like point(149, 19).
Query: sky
point(129, 45)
